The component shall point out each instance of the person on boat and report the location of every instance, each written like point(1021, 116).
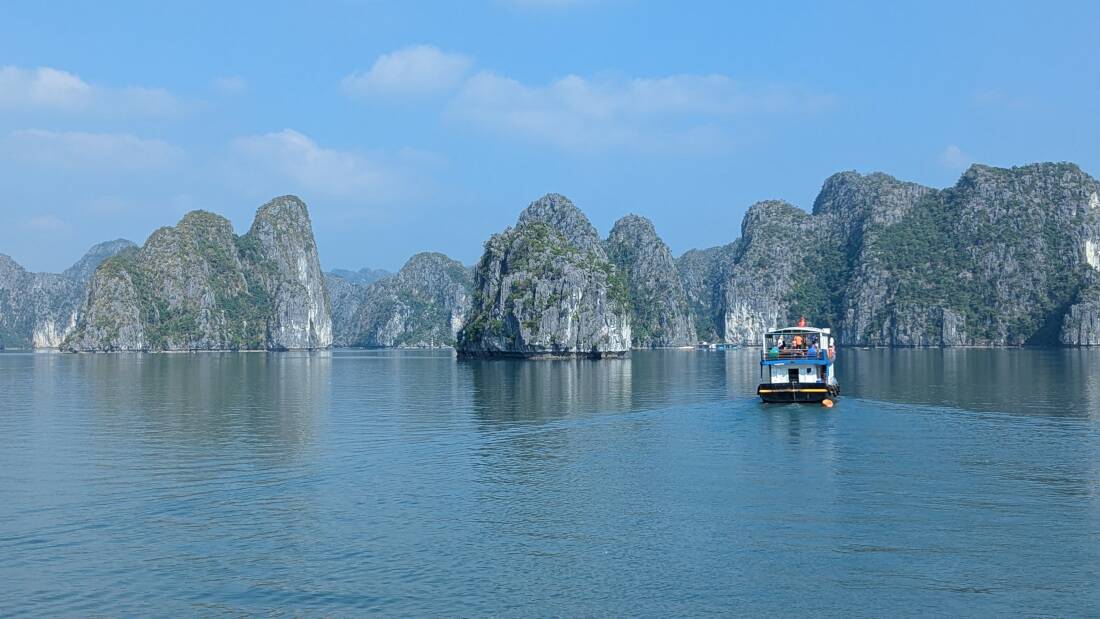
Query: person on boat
point(797, 341)
point(812, 353)
point(802, 321)
point(773, 352)
point(781, 345)
point(832, 351)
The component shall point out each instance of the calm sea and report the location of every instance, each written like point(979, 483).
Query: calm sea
point(958, 482)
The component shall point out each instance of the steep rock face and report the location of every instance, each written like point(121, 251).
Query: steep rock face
point(848, 275)
point(556, 211)
point(702, 273)
point(995, 260)
point(764, 270)
point(302, 318)
point(38, 310)
point(1005, 257)
point(345, 298)
point(659, 312)
point(424, 304)
point(1081, 324)
point(197, 286)
point(547, 288)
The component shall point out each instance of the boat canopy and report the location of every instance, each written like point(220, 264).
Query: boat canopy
point(797, 330)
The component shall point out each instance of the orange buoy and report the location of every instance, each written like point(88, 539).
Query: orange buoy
point(827, 403)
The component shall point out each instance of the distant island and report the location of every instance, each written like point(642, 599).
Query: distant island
point(1006, 257)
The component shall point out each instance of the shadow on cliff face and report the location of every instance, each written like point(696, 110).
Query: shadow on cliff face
point(1049, 333)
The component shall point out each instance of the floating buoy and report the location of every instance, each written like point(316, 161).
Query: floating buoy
point(827, 403)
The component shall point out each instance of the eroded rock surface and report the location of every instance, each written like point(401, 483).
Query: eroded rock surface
point(547, 288)
point(198, 286)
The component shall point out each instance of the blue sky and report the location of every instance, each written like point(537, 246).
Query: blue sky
point(412, 126)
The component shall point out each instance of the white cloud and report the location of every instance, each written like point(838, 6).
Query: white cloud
point(953, 157)
point(305, 167)
point(79, 150)
point(231, 85)
point(580, 113)
point(43, 87)
point(412, 71)
point(46, 224)
point(48, 89)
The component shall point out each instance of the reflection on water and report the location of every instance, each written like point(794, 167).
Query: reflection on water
point(512, 390)
point(1055, 381)
point(245, 401)
point(413, 483)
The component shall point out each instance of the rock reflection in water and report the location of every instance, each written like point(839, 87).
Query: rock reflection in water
point(517, 390)
point(264, 403)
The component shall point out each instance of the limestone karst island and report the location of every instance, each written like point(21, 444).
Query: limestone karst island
point(1006, 257)
point(530, 309)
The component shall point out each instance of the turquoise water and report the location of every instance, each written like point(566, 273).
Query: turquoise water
point(409, 483)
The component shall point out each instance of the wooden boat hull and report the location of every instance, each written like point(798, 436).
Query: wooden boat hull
point(789, 394)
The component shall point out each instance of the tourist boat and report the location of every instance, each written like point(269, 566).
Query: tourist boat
point(796, 365)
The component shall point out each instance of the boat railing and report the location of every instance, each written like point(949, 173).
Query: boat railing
point(792, 353)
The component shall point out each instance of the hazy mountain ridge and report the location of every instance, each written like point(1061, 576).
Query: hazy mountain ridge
point(38, 310)
point(422, 305)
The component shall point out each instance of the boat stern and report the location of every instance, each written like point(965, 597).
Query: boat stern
point(788, 394)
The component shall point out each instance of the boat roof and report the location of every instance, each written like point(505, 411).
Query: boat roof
point(784, 330)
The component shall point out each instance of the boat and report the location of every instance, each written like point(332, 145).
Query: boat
point(797, 365)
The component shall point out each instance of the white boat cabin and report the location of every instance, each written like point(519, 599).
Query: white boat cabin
point(798, 355)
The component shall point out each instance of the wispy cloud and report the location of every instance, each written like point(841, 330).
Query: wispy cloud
point(46, 224)
point(296, 162)
point(409, 72)
point(582, 113)
point(999, 100)
point(49, 89)
point(91, 151)
point(231, 85)
point(953, 157)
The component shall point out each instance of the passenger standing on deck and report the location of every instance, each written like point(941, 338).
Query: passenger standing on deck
point(812, 352)
point(797, 341)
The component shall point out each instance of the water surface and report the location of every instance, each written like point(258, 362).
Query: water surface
point(411, 483)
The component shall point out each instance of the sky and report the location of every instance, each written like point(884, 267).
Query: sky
point(428, 126)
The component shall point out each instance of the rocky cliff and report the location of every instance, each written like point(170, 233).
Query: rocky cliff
point(547, 288)
point(345, 297)
point(365, 276)
point(659, 312)
point(38, 310)
point(1081, 324)
point(198, 286)
point(423, 305)
point(1005, 257)
point(703, 273)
